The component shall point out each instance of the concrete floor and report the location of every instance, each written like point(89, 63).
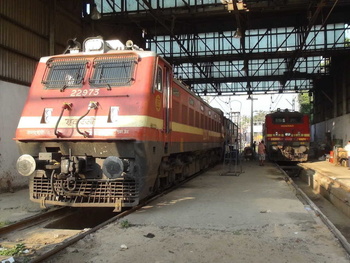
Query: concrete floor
point(257, 197)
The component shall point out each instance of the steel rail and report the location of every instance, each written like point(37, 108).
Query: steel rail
point(33, 220)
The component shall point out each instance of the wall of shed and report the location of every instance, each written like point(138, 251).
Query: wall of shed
point(337, 128)
point(332, 105)
point(28, 31)
point(12, 99)
point(32, 29)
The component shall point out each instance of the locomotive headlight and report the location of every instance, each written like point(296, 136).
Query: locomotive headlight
point(26, 165)
point(113, 167)
point(287, 134)
point(302, 149)
point(93, 44)
point(274, 148)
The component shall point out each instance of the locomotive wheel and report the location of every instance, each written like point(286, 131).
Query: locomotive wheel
point(186, 171)
point(171, 178)
point(156, 186)
point(160, 184)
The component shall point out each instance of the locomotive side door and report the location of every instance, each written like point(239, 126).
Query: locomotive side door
point(167, 93)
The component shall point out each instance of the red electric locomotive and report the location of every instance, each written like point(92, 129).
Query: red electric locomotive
point(287, 136)
point(109, 125)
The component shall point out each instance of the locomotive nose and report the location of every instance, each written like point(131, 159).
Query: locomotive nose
point(26, 165)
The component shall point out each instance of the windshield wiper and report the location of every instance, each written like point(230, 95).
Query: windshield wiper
point(63, 88)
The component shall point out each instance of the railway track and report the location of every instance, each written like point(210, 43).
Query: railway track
point(48, 233)
point(306, 196)
point(54, 224)
point(33, 220)
point(34, 233)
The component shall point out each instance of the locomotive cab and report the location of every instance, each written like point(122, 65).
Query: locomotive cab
point(108, 125)
point(83, 126)
point(287, 136)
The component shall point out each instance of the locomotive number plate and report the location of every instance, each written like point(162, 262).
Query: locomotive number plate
point(84, 92)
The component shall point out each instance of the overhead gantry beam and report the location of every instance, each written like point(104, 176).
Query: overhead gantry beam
point(304, 35)
point(177, 30)
point(190, 57)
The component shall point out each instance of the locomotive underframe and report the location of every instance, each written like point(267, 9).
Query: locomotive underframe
point(282, 151)
point(86, 193)
point(89, 187)
point(151, 170)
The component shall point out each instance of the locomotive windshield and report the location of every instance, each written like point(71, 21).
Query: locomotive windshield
point(288, 119)
point(64, 73)
point(279, 120)
point(113, 71)
point(107, 72)
point(295, 120)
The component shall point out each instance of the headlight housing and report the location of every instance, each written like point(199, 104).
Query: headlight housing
point(26, 165)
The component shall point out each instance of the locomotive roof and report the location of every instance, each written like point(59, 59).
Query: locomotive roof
point(285, 113)
point(140, 53)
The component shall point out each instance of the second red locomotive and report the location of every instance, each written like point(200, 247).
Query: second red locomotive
point(109, 125)
point(287, 136)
